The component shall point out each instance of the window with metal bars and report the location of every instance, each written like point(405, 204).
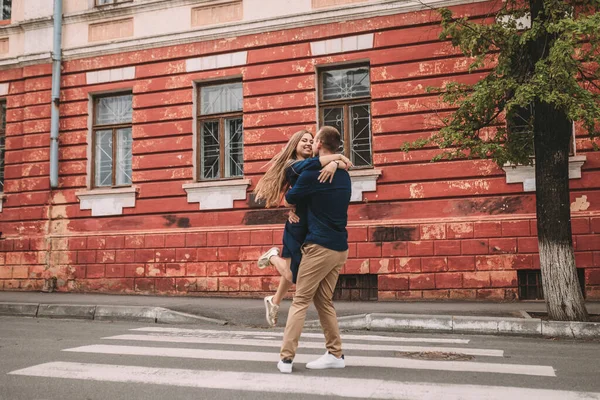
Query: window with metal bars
point(361, 287)
point(6, 9)
point(530, 283)
point(221, 131)
point(345, 104)
point(2, 142)
point(112, 141)
point(519, 133)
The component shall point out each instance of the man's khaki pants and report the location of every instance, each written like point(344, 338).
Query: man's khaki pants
point(317, 277)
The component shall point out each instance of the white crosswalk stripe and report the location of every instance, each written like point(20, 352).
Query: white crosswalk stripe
point(324, 386)
point(354, 361)
point(372, 352)
point(273, 334)
point(306, 345)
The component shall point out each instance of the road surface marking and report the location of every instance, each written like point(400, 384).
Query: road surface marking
point(306, 344)
point(374, 338)
point(351, 361)
point(294, 383)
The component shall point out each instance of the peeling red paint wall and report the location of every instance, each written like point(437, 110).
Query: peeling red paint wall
point(431, 230)
point(454, 260)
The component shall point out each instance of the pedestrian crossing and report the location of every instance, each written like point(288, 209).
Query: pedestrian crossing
point(371, 353)
point(306, 345)
point(309, 335)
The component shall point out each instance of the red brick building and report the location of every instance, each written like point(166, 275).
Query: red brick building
point(165, 128)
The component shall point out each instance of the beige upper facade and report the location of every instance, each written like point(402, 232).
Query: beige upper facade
point(92, 27)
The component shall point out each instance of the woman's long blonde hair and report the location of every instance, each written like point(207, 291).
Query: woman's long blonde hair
point(273, 184)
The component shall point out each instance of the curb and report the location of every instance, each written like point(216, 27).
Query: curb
point(65, 311)
point(467, 324)
point(19, 309)
point(158, 315)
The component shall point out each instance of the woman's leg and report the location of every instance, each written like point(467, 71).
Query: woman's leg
point(283, 267)
point(284, 287)
point(272, 303)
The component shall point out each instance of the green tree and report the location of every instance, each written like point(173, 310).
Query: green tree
point(545, 75)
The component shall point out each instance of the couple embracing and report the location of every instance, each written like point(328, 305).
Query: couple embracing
point(315, 241)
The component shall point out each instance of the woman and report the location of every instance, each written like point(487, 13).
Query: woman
point(282, 174)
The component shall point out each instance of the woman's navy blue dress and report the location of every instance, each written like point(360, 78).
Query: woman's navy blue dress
point(294, 234)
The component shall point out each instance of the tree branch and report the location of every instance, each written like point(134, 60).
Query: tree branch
point(588, 79)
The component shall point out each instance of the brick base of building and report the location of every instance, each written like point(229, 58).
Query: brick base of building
point(470, 260)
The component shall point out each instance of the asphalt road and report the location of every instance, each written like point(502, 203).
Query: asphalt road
point(183, 362)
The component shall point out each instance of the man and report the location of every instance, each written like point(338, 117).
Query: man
point(324, 253)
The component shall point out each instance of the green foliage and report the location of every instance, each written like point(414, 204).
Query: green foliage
point(567, 77)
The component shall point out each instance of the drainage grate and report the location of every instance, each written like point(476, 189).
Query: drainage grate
point(356, 288)
point(530, 283)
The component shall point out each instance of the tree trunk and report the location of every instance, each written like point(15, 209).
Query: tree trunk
point(552, 134)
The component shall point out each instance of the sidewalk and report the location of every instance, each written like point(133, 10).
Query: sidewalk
point(478, 317)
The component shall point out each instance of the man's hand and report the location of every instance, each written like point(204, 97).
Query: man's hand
point(327, 172)
point(293, 217)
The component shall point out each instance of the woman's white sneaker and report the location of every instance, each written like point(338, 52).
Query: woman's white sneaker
point(263, 261)
point(327, 361)
point(285, 366)
point(271, 310)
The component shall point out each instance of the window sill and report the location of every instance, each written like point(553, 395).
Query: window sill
point(363, 180)
point(104, 202)
point(111, 5)
point(525, 174)
point(217, 195)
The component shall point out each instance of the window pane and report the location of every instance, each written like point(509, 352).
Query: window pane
point(334, 116)
point(123, 164)
point(6, 8)
point(234, 147)
point(360, 149)
point(113, 110)
point(346, 83)
point(210, 149)
point(221, 98)
point(104, 158)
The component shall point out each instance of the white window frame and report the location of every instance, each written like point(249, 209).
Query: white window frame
point(346, 104)
point(221, 117)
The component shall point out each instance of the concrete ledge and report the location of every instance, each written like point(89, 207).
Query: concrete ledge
point(517, 326)
point(557, 329)
point(467, 324)
point(411, 322)
point(375, 322)
point(571, 329)
point(126, 313)
point(166, 316)
point(19, 309)
point(105, 313)
point(66, 311)
point(491, 325)
point(462, 324)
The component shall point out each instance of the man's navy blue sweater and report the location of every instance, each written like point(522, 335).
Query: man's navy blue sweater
point(327, 208)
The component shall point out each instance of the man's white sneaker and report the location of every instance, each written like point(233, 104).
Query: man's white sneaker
point(271, 310)
point(327, 361)
point(285, 367)
point(263, 261)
